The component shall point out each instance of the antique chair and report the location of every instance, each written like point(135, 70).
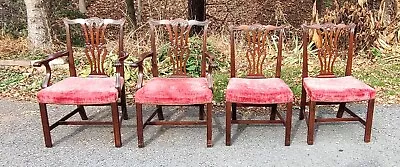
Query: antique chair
point(326, 88)
point(97, 89)
point(178, 89)
point(256, 89)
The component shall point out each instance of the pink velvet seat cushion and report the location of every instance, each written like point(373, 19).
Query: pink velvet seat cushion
point(174, 91)
point(258, 91)
point(80, 91)
point(341, 89)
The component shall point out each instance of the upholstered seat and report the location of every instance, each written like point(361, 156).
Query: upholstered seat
point(174, 91)
point(258, 91)
point(341, 89)
point(80, 91)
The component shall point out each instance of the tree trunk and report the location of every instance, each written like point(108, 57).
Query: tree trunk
point(197, 11)
point(82, 6)
point(130, 6)
point(38, 25)
point(139, 4)
point(320, 4)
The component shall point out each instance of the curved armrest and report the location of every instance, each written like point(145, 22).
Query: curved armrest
point(45, 62)
point(50, 58)
point(139, 64)
point(210, 57)
point(120, 62)
point(141, 59)
point(123, 55)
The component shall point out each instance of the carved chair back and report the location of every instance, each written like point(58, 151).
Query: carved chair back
point(94, 33)
point(327, 39)
point(178, 51)
point(257, 40)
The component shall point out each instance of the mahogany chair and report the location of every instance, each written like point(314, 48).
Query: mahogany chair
point(97, 89)
point(256, 89)
point(178, 89)
point(327, 88)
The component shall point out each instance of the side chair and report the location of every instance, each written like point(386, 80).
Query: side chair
point(256, 89)
point(326, 88)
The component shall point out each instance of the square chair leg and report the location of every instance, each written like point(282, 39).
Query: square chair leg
point(116, 124)
point(368, 123)
point(228, 123)
point(45, 125)
point(311, 123)
point(288, 124)
point(139, 126)
point(209, 125)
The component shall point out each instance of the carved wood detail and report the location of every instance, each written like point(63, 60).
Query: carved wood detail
point(327, 41)
point(257, 37)
point(94, 30)
point(178, 35)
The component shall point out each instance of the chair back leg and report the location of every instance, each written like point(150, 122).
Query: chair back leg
point(123, 104)
point(341, 110)
point(302, 103)
point(82, 113)
point(201, 112)
point(160, 113)
point(234, 113)
point(273, 112)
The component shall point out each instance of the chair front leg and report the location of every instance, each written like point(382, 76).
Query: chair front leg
point(139, 120)
point(288, 123)
point(45, 125)
point(311, 123)
point(209, 125)
point(82, 113)
point(368, 123)
point(116, 124)
point(228, 127)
